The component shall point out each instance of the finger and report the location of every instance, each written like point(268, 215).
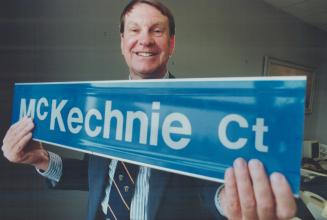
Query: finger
point(24, 130)
point(18, 133)
point(7, 140)
point(230, 200)
point(285, 202)
point(22, 126)
point(261, 185)
point(17, 156)
point(12, 129)
point(245, 190)
point(23, 142)
point(18, 123)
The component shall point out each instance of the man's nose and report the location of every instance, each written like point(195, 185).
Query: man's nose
point(146, 39)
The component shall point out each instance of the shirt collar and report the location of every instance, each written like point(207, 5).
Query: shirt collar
point(166, 76)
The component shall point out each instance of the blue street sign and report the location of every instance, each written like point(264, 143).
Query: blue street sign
point(196, 127)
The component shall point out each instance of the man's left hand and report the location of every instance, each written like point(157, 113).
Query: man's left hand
point(250, 194)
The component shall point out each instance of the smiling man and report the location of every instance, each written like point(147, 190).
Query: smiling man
point(147, 41)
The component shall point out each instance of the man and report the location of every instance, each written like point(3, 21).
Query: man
point(147, 42)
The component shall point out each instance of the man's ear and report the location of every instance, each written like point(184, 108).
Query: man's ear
point(171, 45)
point(122, 43)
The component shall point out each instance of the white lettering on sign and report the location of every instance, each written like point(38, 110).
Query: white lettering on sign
point(96, 131)
point(176, 129)
point(109, 114)
point(222, 131)
point(154, 124)
point(78, 120)
point(143, 119)
point(56, 115)
point(27, 111)
point(168, 129)
point(259, 129)
point(43, 101)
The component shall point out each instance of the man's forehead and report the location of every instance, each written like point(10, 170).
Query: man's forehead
point(142, 10)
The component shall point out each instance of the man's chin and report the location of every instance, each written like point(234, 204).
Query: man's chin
point(147, 74)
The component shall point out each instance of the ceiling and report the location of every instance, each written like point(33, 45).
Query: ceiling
point(313, 12)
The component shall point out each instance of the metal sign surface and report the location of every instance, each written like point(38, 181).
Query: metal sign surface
point(196, 127)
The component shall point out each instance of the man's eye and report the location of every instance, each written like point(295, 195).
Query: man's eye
point(157, 31)
point(133, 30)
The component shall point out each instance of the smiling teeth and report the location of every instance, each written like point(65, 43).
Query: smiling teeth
point(144, 54)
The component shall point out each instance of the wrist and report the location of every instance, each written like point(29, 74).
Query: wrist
point(53, 171)
point(43, 163)
point(218, 200)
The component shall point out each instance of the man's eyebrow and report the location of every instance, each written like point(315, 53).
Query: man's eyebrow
point(159, 23)
point(131, 23)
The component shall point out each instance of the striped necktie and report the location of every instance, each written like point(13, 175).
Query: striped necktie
point(122, 191)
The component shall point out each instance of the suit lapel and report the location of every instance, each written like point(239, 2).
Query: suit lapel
point(98, 173)
point(171, 76)
point(158, 182)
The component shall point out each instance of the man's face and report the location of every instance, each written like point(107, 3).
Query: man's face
point(145, 43)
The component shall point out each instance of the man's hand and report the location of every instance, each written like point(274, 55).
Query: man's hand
point(250, 194)
point(18, 147)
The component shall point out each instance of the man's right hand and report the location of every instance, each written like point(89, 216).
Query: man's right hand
point(18, 146)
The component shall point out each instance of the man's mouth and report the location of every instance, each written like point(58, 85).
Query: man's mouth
point(145, 54)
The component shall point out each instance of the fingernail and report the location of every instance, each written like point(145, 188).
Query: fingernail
point(239, 163)
point(277, 178)
point(255, 164)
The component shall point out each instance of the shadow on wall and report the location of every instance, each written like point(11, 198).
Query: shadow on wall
point(24, 194)
point(43, 205)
